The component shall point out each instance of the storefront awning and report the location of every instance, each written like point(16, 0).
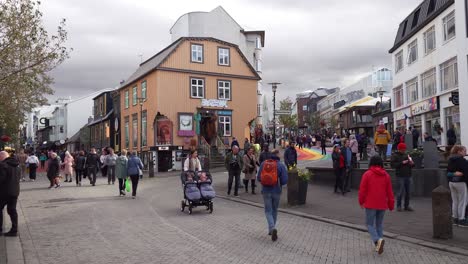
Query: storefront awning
point(366, 101)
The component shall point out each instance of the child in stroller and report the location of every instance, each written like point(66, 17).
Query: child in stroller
point(198, 190)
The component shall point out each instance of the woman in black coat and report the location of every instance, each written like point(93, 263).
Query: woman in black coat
point(53, 170)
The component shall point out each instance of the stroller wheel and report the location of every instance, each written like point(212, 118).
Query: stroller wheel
point(211, 208)
point(190, 210)
point(182, 206)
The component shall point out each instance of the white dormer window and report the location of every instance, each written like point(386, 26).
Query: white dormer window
point(197, 53)
point(223, 57)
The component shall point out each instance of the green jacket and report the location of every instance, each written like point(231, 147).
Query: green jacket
point(232, 162)
point(121, 167)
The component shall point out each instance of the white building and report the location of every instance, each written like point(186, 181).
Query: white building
point(67, 119)
point(220, 25)
point(37, 120)
point(430, 64)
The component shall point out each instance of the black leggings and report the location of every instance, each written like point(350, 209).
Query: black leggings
point(135, 179)
point(246, 183)
point(121, 184)
point(78, 175)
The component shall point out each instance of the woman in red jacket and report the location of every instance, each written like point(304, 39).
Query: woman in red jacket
point(376, 196)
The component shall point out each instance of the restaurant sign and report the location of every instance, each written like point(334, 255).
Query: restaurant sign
point(213, 103)
point(424, 106)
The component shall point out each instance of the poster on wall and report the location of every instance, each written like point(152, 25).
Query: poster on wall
point(164, 132)
point(186, 125)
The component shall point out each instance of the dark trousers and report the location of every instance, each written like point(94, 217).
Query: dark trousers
point(252, 184)
point(78, 175)
point(92, 171)
point(382, 151)
point(32, 172)
point(110, 174)
point(135, 179)
point(324, 150)
point(234, 174)
point(404, 188)
point(10, 202)
point(104, 171)
point(42, 164)
point(339, 179)
point(347, 179)
point(354, 160)
point(121, 184)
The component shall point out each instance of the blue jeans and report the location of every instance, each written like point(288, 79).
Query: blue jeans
point(404, 184)
point(374, 222)
point(271, 201)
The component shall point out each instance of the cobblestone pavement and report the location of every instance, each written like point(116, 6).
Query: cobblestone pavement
point(94, 225)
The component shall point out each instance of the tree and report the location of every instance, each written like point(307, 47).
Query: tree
point(27, 55)
point(289, 121)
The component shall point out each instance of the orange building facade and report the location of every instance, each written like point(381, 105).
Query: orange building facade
point(196, 89)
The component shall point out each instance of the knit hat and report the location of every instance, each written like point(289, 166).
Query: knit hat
point(401, 146)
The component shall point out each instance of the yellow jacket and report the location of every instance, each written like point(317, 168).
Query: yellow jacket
point(382, 138)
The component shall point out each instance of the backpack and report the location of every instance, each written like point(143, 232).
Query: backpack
point(269, 173)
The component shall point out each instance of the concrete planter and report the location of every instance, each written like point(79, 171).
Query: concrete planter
point(297, 189)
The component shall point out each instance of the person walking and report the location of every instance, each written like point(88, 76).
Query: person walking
point(247, 145)
point(110, 163)
point(265, 153)
point(134, 165)
point(271, 191)
point(192, 163)
point(451, 136)
point(233, 163)
point(382, 137)
point(92, 165)
point(376, 196)
point(80, 167)
point(42, 159)
point(22, 157)
point(250, 169)
point(396, 139)
point(323, 144)
point(32, 163)
point(339, 168)
point(354, 145)
point(290, 155)
point(121, 171)
point(235, 143)
point(53, 170)
point(347, 155)
point(363, 141)
point(68, 167)
point(102, 160)
point(415, 133)
point(9, 191)
point(457, 169)
point(402, 163)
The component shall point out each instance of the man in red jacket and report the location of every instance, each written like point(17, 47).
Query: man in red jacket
point(376, 196)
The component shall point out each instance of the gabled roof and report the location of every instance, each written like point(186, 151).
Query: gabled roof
point(427, 11)
point(154, 62)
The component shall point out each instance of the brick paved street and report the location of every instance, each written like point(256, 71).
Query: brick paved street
point(94, 225)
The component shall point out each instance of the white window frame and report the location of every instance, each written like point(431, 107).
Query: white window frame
point(445, 21)
point(135, 135)
point(409, 85)
point(224, 86)
point(144, 124)
point(444, 67)
point(413, 46)
point(134, 95)
point(426, 81)
point(224, 56)
point(399, 61)
point(144, 90)
point(127, 133)
point(427, 34)
point(399, 90)
point(127, 99)
point(223, 122)
point(197, 87)
point(196, 53)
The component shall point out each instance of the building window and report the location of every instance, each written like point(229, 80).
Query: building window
point(126, 99)
point(224, 90)
point(127, 133)
point(428, 83)
point(429, 40)
point(412, 90)
point(259, 110)
point(449, 26)
point(143, 90)
point(449, 74)
point(258, 65)
point(413, 51)
point(225, 125)
point(223, 56)
point(134, 131)
point(143, 129)
point(134, 95)
point(304, 108)
point(197, 88)
point(399, 61)
point(258, 42)
point(415, 18)
point(197, 53)
point(398, 95)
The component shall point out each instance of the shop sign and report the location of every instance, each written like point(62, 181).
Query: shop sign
point(455, 98)
point(400, 115)
point(213, 103)
point(225, 113)
point(339, 104)
point(456, 118)
point(163, 148)
point(424, 106)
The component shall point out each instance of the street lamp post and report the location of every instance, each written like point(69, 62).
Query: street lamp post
point(381, 93)
point(274, 86)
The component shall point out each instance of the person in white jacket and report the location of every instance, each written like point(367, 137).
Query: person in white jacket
point(192, 163)
point(32, 162)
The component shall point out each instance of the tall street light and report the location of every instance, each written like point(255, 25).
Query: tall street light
point(274, 86)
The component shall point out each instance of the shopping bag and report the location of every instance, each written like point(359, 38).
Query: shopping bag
point(128, 185)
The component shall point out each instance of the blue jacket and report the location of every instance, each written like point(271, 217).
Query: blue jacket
point(134, 163)
point(290, 156)
point(282, 175)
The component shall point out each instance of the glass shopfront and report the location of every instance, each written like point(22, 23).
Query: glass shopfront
point(452, 117)
point(434, 126)
point(415, 121)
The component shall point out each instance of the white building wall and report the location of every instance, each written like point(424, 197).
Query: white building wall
point(443, 52)
point(462, 50)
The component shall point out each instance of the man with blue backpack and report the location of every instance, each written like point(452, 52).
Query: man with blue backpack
point(272, 175)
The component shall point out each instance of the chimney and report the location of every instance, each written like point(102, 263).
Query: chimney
point(90, 119)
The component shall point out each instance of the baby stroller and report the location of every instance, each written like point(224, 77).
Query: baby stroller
point(198, 190)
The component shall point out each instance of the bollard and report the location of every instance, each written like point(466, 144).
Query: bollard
point(442, 213)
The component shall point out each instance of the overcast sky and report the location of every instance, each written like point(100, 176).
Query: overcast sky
point(308, 43)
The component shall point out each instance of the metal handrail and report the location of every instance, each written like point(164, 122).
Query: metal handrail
point(205, 146)
point(221, 146)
